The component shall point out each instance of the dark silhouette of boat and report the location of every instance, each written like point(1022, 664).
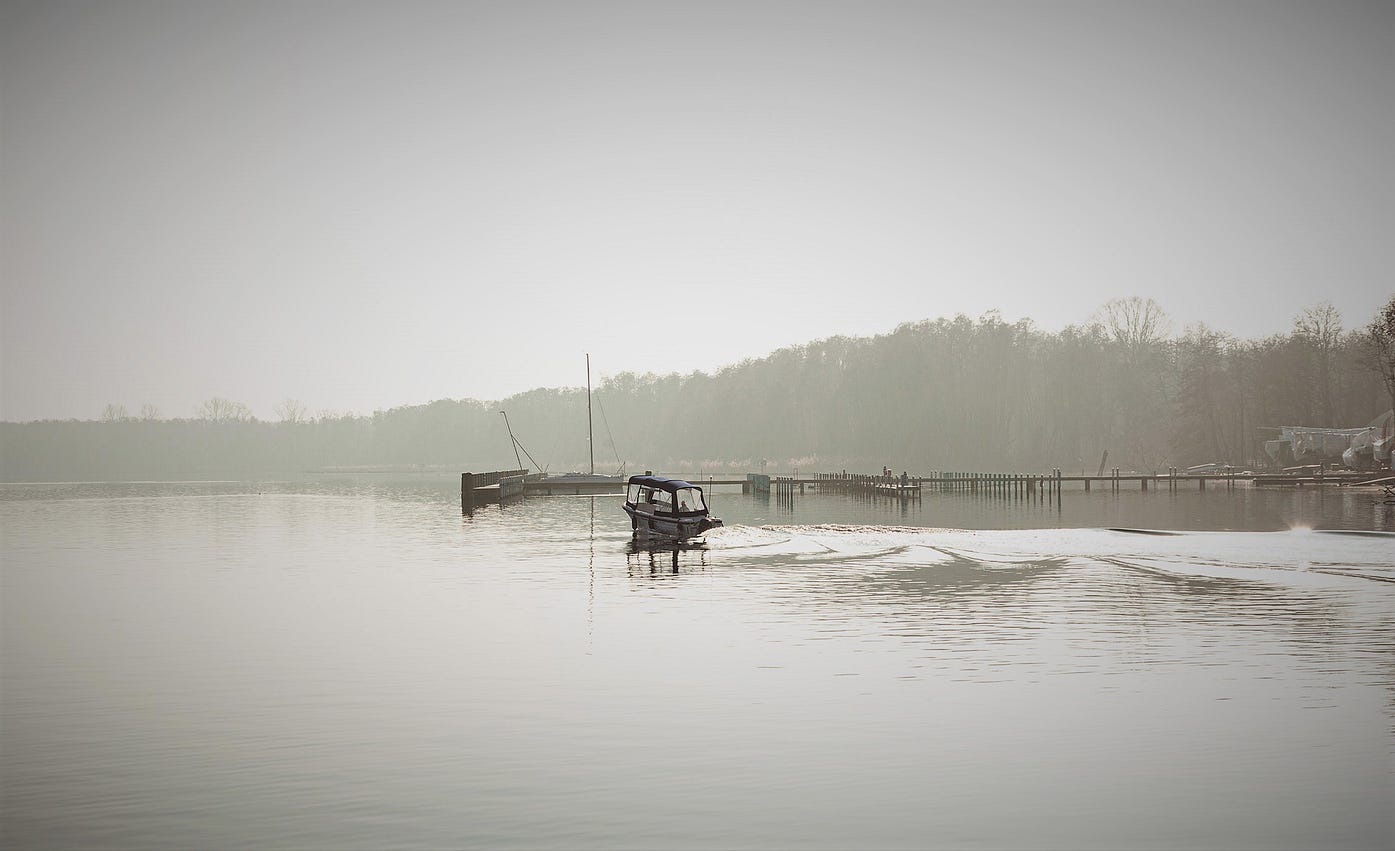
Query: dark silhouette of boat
point(667, 508)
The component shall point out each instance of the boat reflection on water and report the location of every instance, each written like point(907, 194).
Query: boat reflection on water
point(664, 554)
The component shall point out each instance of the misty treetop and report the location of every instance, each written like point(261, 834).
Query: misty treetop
point(950, 393)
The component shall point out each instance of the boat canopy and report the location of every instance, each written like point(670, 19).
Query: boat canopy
point(670, 485)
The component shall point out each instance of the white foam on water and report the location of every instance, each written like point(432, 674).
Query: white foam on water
point(1297, 555)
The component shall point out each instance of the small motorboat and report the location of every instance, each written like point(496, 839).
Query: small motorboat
point(666, 508)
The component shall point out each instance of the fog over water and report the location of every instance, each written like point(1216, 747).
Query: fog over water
point(359, 205)
point(270, 271)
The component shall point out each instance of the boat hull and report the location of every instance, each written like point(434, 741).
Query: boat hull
point(647, 525)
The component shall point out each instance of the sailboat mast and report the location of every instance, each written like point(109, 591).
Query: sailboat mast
point(590, 435)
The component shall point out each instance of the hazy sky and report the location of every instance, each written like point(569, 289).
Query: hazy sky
point(368, 205)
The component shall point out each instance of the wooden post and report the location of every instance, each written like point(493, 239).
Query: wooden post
point(467, 492)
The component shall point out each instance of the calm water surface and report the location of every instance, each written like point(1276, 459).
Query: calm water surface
point(355, 665)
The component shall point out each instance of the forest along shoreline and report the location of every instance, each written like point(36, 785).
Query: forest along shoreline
point(947, 394)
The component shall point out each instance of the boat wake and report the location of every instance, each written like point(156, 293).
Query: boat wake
point(1292, 556)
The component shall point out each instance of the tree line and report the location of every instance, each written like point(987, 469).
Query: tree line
point(945, 394)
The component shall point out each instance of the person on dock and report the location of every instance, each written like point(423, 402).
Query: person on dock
point(905, 479)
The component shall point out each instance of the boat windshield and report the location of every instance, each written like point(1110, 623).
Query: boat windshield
point(690, 499)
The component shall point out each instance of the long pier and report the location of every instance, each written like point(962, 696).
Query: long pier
point(478, 489)
point(1024, 484)
point(1055, 481)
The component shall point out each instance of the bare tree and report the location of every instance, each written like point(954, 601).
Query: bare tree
point(1379, 341)
point(149, 412)
point(1200, 399)
point(1138, 399)
point(1134, 322)
point(113, 412)
point(292, 411)
point(220, 410)
point(1321, 327)
point(1321, 323)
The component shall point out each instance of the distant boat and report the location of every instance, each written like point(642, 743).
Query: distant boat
point(592, 479)
point(564, 483)
point(583, 478)
point(592, 482)
point(667, 508)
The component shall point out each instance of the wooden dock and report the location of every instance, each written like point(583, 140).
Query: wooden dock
point(890, 487)
point(1055, 481)
point(1340, 479)
point(478, 489)
point(1024, 484)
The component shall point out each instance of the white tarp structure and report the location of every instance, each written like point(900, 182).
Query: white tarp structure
point(1358, 448)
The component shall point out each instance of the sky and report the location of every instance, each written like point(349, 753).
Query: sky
point(367, 205)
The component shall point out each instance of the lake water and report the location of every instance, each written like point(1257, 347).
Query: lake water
point(356, 665)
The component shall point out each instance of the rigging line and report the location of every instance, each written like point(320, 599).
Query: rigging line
point(512, 440)
point(518, 444)
point(536, 465)
point(609, 436)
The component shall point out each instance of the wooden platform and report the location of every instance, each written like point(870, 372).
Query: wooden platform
point(499, 486)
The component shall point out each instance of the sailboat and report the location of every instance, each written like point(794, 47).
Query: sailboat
point(576, 482)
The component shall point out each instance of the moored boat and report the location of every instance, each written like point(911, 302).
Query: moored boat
point(667, 508)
